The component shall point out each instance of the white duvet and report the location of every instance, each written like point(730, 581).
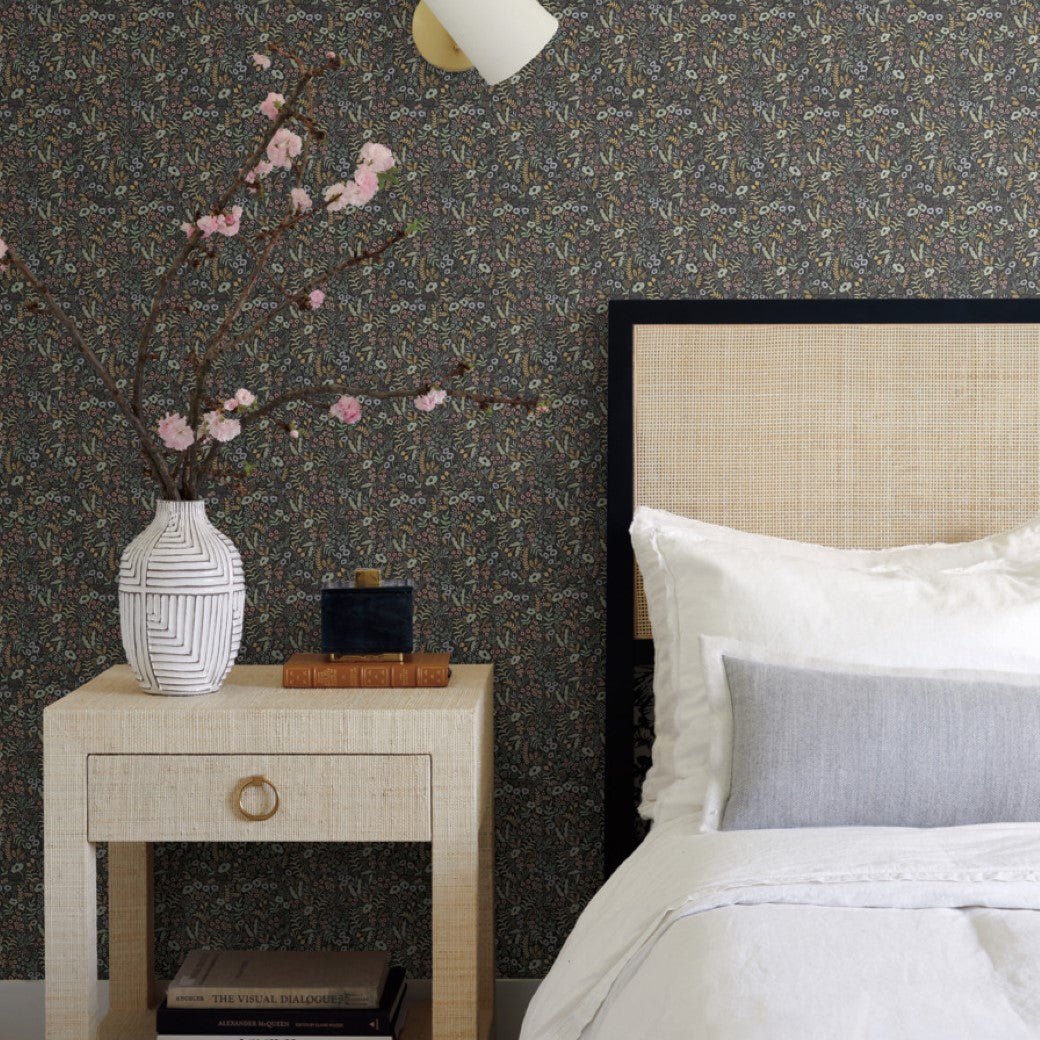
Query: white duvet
point(820, 934)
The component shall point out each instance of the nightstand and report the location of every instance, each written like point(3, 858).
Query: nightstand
point(130, 768)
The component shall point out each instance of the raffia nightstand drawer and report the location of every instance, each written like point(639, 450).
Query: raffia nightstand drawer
point(258, 798)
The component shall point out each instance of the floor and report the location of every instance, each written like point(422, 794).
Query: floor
point(21, 1006)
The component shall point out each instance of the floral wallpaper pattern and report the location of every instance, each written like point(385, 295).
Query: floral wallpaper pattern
point(668, 148)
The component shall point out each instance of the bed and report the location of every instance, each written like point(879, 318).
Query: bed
point(842, 794)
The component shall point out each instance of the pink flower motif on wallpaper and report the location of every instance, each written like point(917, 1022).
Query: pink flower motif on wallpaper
point(301, 201)
point(261, 61)
point(270, 105)
point(431, 399)
point(315, 298)
point(175, 432)
point(347, 409)
point(284, 147)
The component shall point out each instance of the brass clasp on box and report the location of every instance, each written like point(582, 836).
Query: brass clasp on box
point(261, 782)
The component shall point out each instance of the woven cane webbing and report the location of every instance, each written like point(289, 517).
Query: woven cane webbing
point(845, 435)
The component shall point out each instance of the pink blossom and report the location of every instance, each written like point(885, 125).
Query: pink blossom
point(187, 228)
point(270, 105)
point(347, 409)
point(330, 54)
point(315, 298)
point(230, 404)
point(228, 224)
point(301, 200)
point(175, 432)
point(284, 147)
point(367, 181)
point(3, 249)
point(352, 193)
point(428, 401)
point(261, 170)
point(245, 397)
point(294, 433)
point(219, 428)
point(376, 156)
point(207, 224)
point(336, 197)
point(261, 61)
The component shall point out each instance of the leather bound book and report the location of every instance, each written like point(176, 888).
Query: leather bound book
point(316, 671)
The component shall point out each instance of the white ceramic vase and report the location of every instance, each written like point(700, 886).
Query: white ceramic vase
point(181, 601)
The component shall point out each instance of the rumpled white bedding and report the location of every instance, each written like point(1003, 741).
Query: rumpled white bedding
point(809, 934)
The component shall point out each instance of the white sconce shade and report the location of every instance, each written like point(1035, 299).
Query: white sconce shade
point(499, 37)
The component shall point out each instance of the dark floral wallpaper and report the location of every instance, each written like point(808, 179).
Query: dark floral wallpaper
point(730, 149)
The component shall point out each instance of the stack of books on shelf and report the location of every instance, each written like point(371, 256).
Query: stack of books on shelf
point(253, 994)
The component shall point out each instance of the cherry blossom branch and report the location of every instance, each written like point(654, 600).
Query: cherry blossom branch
point(196, 437)
point(289, 220)
point(286, 112)
point(319, 395)
point(54, 308)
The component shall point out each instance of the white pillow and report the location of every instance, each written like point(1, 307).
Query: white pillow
point(801, 750)
point(919, 603)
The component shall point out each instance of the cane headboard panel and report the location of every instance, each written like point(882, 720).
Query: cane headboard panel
point(847, 423)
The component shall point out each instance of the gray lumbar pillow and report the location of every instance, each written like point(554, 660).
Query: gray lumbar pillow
point(814, 747)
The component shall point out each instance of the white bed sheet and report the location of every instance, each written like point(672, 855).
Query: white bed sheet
point(835, 934)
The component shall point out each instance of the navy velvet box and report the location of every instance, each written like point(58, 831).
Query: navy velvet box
point(366, 620)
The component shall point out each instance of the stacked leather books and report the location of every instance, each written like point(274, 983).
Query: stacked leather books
point(378, 671)
point(254, 994)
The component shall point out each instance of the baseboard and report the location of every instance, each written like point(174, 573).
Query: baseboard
point(21, 1006)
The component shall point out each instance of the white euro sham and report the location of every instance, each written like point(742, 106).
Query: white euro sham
point(967, 605)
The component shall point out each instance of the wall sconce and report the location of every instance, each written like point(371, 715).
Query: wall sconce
point(498, 37)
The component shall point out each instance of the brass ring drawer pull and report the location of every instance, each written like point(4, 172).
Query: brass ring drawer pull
point(261, 782)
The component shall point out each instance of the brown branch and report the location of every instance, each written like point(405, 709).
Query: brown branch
point(211, 351)
point(148, 446)
point(280, 287)
point(317, 280)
